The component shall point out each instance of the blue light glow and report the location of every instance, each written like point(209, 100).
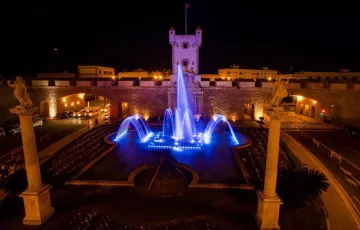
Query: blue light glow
point(178, 131)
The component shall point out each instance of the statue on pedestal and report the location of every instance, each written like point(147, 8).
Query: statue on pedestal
point(279, 92)
point(20, 92)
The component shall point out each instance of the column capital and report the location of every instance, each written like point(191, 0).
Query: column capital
point(24, 111)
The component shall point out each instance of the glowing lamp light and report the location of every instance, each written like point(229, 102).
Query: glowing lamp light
point(65, 104)
point(146, 117)
point(321, 114)
point(113, 77)
point(323, 111)
point(314, 102)
point(299, 98)
point(81, 95)
point(72, 103)
point(155, 77)
point(228, 78)
point(269, 78)
point(137, 117)
point(64, 99)
point(78, 102)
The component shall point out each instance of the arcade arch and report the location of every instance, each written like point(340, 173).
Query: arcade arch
point(54, 106)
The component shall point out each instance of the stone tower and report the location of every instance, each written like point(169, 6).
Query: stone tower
point(185, 50)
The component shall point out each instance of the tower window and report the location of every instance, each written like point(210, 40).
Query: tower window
point(185, 63)
point(185, 45)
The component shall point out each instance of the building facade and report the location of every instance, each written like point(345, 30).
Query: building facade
point(185, 50)
point(234, 72)
point(133, 74)
point(91, 71)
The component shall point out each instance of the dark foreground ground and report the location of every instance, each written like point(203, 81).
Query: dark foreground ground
point(227, 209)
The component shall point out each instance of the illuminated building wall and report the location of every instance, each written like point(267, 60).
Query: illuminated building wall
point(90, 71)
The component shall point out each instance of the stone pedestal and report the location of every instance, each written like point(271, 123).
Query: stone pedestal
point(37, 206)
point(36, 197)
point(267, 216)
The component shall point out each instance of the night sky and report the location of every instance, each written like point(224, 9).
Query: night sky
point(132, 34)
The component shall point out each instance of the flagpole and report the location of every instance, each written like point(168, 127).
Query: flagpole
point(185, 18)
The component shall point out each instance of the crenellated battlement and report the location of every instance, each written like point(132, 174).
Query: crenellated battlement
point(241, 83)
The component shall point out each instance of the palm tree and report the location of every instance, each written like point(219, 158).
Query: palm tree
point(300, 186)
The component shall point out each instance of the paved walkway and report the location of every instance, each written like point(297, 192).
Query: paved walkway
point(341, 213)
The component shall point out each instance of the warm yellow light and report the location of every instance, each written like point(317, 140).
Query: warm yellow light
point(65, 104)
point(314, 102)
point(81, 95)
point(299, 98)
point(155, 77)
point(214, 117)
point(52, 109)
point(228, 78)
point(64, 99)
point(146, 116)
point(72, 103)
point(113, 77)
point(233, 118)
point(269, 78)
point(160, 77)
point(78, 102)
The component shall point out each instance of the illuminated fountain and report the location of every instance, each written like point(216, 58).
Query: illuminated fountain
point(138, 122)
point(179, 130)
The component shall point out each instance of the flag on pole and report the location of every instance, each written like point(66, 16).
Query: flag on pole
point(187, 5)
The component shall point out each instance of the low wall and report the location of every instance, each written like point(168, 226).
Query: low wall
point(223, 83)
point(40, 82)
point(83, 83)
point(62, 83)
point(246, 84)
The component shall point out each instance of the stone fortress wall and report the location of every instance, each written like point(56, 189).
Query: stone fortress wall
point(228, 98)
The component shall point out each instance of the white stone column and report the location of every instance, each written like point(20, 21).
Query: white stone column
point(267, 215)
point(36, 197)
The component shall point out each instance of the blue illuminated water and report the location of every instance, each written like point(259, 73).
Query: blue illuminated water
point(179, 131)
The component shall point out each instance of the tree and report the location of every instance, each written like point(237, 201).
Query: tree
point(300, 186)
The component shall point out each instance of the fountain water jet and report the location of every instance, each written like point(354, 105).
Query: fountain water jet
point(139, 124)
point(168, 123)
point(217, 118)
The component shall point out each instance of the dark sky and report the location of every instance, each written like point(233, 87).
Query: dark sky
point(133, 34)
